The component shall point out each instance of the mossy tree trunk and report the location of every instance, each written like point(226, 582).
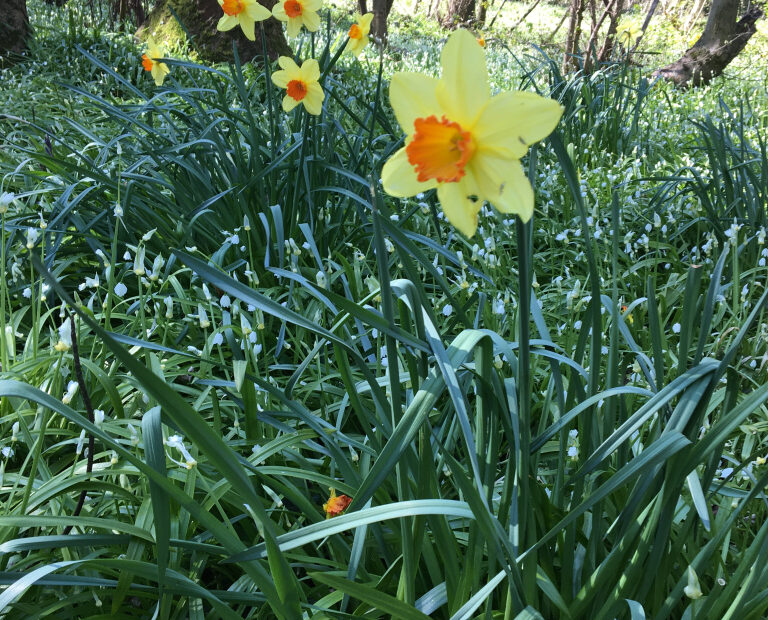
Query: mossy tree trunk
point(724, 36)
point(14, 26)
point(460, 13)
point(199, 19)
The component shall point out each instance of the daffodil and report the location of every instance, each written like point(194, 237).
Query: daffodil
point(336, 504)
point(358, 33)
point(298, 13)
point(243, 13)
point(301, 84)
point(629, 30)
point(463, 141)
point(149, 60)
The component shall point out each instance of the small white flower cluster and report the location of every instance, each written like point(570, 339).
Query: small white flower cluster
point(573, 444)
point(176, 441)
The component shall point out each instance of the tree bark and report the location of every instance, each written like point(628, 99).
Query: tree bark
point(482, 12)
point(460, 13)
point(200, 18)
point(722, 40)
point(576, 15)
point(381, 9)
point(14, 27)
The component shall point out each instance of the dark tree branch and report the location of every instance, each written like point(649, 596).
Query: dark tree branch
point(89, 411)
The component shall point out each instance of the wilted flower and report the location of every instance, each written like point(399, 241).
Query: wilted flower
point(175, 441)
point(693, 589)
point(336, 504)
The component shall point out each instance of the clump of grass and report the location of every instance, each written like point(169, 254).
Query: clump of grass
point(559, 419)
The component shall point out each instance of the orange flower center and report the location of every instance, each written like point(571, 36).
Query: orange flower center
point(147, 62)
point(233, 7)
point(297, 89)
point(439, 149)
point(293, 8)
point(355, 32)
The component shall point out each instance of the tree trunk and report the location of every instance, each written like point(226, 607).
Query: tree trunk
point(381, 9)
point(200, 18)
point(460, 13)
point(482, 12)
point(576, 15)
point(14, 27)
point(121, 10)
point(723, 38)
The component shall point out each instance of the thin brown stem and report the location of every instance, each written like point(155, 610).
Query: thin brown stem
point(89, 411)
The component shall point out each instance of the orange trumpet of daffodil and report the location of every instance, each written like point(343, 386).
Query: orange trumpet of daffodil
point(358, 33)
point(243, 13)
point(150, 63)
point(298, 13)
point(301, 84)
point(463, 141)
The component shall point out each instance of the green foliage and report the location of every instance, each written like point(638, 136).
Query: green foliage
point(558, 419)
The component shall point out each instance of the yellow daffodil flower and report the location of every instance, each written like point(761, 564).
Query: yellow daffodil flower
point(629, 30)
point(149, 60)
point(298, 13)
point(358, 33)
point(463, 141)
point(301, 84)
point(243, 13)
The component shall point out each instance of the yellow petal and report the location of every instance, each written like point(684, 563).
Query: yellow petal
point(365, 22)
point(412, 96)
point(310, 70)
point(287, 63)
point(463, 89)
point(227, 22)
point(510, 122)
point(356, 46)
point(281, 79)
point(399, 179)
point(502, 182)
point(278, 11)
point(311, 21)
point(459, 209)
point(159, 71)
point(289, 103)
point(313, 101)
point(247, 24)
point(312, 5)
point(258, 12)
point(294, 26)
